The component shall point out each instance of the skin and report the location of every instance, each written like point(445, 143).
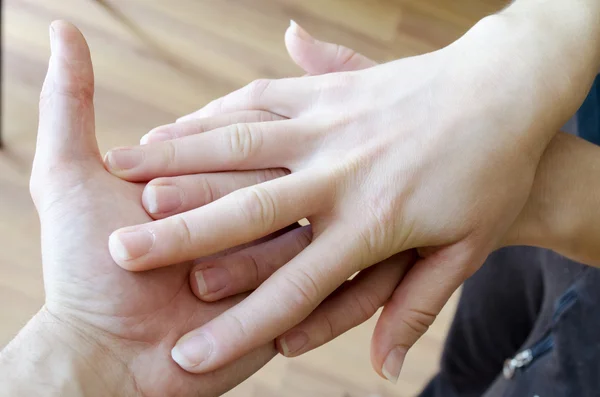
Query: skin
point(549, 219)
point(72, 357)
point(452, 190)
point(103, 331)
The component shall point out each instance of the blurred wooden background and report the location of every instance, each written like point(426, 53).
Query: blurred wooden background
point(193, 51)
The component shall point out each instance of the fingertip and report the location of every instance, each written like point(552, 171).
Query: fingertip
point(66, 39)
point(149, 199)
point(211, 284)
point(127, 245)
point(118, 251)
point(122, 161)
point(392, 365)
point(179, 358)
point(197, 284)
point(293, 343)
point(192, 350)
point(299, 32)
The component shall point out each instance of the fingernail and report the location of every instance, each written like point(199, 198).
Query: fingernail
point(124, 159)
point(293, 342)
point(191, 351)
point(160, 199)
point(212, 280)
point(300, 32)
point(393, 364)
point(131, 245)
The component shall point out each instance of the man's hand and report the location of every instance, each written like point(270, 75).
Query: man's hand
point(103, 331)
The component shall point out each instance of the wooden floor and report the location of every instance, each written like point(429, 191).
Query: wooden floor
point(171, 57)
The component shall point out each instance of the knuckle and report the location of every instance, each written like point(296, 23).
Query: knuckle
point(45, 186)
point(379, 234)
point(252, 266)
point(367, 305)
point(76, 89)
point(304, 238)
point(264, 116)
point(184, 231)
point(270, 174)
point(329, 326)
point(258, 207)
point(208, 194)
point(304, 290)
point(239, 325)
point(242, 141)
point(417, 321)
point(214, 107)
point(169, 154)
point(258, 88)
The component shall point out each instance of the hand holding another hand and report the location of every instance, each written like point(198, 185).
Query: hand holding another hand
point(409, 154)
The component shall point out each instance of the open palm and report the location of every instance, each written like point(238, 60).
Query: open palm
point(135, 317)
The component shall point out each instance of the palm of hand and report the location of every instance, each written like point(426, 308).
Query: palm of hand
point(138, 317)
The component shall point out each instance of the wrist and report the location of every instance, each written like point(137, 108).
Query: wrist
point(560, 213)
point(532, 64)
point(51, 357)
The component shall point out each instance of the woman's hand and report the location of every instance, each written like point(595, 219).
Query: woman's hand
point(403, 155)
point(214, 279)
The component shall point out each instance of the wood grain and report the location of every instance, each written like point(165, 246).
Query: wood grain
point(158, 59)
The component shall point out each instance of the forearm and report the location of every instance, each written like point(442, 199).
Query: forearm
point(48, 359)
point(562, 37)
point(563, 210)
point(540, 59)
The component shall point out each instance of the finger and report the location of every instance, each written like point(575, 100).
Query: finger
point(284, 97)
point(66, 142)
point(164, 197)
point(414, 306)
point(245, 270)
point(66, 122)
point(197, 126)
point(236, 147)
point(319, 57)
point(351, 305)
point(282, 301)
point(313, 56)
point(237, 218)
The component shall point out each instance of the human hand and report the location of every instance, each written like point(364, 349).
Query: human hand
point(130, 321)
point(433, 178)
point(353, 303)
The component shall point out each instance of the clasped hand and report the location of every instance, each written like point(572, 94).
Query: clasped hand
point(404, 155)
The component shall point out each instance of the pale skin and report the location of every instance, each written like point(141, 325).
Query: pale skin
point(104, 331)
point(76, 351)
point(437, 152)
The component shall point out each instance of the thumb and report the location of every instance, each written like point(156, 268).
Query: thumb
point(66, 131)
point(415, 304)
point(318, 57)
